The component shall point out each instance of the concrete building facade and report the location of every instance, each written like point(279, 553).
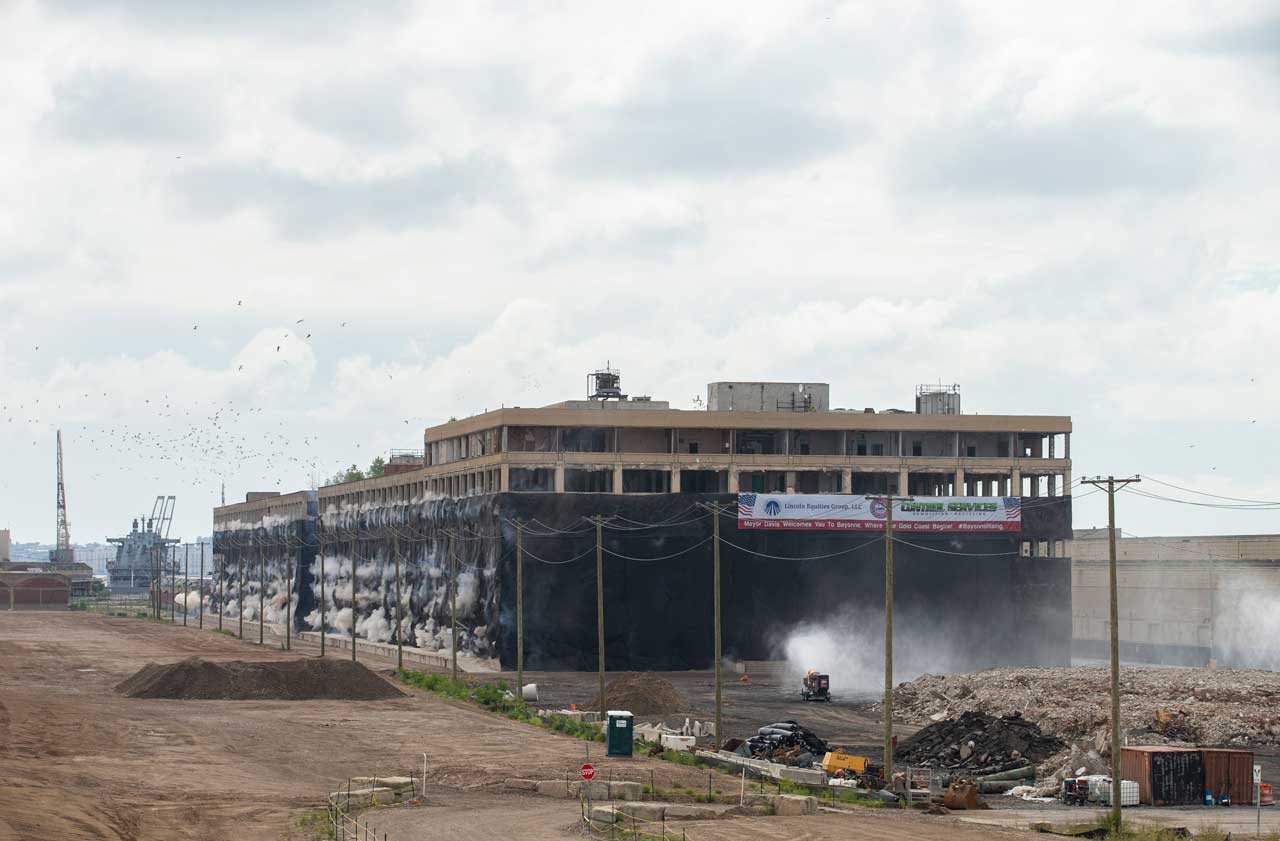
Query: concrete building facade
point(644, 446)
point(4, 545)
point(1187, 600)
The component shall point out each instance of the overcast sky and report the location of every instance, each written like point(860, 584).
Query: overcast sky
point(255, 242)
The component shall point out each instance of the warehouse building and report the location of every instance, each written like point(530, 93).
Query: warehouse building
point(1184, 600)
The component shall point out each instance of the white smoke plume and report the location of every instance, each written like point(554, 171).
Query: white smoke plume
point(850, 648)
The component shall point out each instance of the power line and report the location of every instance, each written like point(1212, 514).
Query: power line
point(946, 552)
point(1205, 493)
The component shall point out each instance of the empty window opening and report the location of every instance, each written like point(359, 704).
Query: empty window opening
point(703, 481)
point(646, 481)
point(588, 481)
point(530, 479)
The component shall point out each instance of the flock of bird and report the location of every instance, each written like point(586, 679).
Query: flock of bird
point(180, 444)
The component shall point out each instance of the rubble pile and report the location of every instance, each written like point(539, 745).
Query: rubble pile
point(788, 743)
point(641, 693)
point(979, 744)
point(1159, 705)
point(1205, 706)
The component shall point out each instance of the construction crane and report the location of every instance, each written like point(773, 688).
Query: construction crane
point(63, 554)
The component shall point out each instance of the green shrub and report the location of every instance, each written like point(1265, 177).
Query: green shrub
point(494, 697)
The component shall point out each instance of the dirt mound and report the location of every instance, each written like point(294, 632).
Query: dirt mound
point(979, 742)
point(641, 693)
point(237, 680)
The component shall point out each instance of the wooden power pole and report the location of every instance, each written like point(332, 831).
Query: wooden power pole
point(889, 500)
point(453, 608)
point(353, 595)
point(715, 563)
point(395, 551)
point(323, 629)
point(520, 611)
point(600, 617)
point(1110, 485)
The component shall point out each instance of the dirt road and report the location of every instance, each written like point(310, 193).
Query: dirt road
point(79, 761)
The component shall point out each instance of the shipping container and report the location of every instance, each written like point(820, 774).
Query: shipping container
point(1228, 773)
point(1165, 776)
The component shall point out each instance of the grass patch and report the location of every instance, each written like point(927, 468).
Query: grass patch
point(495, 697)
point(226, 633)
point(315, 826)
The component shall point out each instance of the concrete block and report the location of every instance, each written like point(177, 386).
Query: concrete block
point(680, 812)
point(558, 788)
point(625, 791)
point(642, 811)
point(808, 776)
point(602, 814)
point(599, 790)
point(521, 785)
point(672, 742)
point(793, 804)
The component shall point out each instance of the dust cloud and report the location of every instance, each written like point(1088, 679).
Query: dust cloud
point(850, 648)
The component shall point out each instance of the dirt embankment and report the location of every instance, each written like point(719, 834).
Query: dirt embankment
point(641, 693)
point(238, 680)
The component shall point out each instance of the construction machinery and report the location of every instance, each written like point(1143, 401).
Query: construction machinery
point(815, 687)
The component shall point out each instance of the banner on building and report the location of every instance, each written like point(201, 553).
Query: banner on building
point(844, 512)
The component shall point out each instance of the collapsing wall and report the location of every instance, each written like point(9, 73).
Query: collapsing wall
point(360, 545)
point(971, 593)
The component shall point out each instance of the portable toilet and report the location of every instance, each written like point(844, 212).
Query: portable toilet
point(619, 733)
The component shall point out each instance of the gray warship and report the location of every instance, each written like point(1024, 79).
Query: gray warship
point(143, 553)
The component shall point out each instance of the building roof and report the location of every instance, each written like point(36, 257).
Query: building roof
point(703, 419)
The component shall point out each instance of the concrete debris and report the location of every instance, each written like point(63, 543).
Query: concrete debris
point(979, 743)
point(1174, 706)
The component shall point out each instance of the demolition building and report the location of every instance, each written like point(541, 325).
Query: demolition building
point(655, 476)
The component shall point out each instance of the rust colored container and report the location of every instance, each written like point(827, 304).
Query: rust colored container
point(1165, 776)
point(1229, 772)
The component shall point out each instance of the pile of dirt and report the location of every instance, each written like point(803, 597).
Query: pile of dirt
point(641, 693)
point(980, 743)
point(237, 680)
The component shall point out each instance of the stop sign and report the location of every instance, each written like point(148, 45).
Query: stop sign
point(588, 771)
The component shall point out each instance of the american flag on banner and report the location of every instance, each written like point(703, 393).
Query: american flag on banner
point(1013, 508)
point(746, 505)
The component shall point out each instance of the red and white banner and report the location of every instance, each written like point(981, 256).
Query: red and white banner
point(844, 512)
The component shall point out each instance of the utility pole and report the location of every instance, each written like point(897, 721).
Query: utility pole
point(353, 595)
point(1110, 485)
point(715, 546)
point(453, 608)
point(322, 605)
point(889, 500)
point(600, 615)
point(288, 595)
point(395, 551)
point(186, 580)
point(520, 611)
point(201, 614)
point(222, 584)
point(240, 587)
point(262, 592)
point(173, 582)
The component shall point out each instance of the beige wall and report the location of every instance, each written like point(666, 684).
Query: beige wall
point(1173, 592)
point(4, 545)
